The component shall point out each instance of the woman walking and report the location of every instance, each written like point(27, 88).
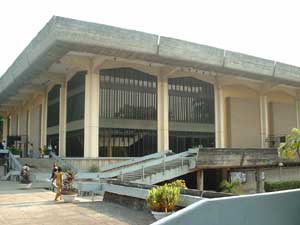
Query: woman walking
point(59, 182)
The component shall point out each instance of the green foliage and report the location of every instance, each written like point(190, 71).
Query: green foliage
point(94, 169)
point(291, 147)
point(230, 187)
point(68, 188)
point(15, 151)
point(281, 185)
point(179, 183)
point(163, 198)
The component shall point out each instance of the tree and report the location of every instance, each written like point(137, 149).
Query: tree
point(291, 147)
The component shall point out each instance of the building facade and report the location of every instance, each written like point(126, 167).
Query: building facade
point(92, 90)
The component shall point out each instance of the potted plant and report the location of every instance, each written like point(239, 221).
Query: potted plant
point(15, 151)
point(46, 153)
point(162, 200)
point(68, 191)
point(230, 187)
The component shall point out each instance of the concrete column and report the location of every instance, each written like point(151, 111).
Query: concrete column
point(5, 129)
point(297, 105)
point(13, 124)
point(200, 180)
point(162, 114)
point(44, 121)
point(18, 122)
point(264, 120)
point(220, 117)
point(217, 117)
point(259, 180)
point(91, 115)
point(62, 119)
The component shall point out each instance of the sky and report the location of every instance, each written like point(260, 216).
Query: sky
point(263, 28)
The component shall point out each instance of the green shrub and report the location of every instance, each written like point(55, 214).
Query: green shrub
point(230, 187)
point(15, 151)
point(163, 198)
point(94, 169)
point(281, 185)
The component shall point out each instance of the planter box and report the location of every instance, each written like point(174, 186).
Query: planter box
point(69, 198)
point(160, 215)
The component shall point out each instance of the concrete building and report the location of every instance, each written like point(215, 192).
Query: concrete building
point(92, 90)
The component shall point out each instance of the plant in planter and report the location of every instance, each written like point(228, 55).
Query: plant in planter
point(230, 187)
point(15, 151)
point(163, 199)
point(46, 153)
point(68, 191)
point(291, 147)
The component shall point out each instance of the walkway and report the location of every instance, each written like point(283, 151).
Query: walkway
point(36, 207)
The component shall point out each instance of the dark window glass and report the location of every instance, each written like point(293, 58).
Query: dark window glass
point(191, 100)
point(127, 94)
point(76, 97)
point(53, 106)
point(119, 142)
point(181, 141)
point(75, 143)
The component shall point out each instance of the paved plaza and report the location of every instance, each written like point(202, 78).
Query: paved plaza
point(35, 206)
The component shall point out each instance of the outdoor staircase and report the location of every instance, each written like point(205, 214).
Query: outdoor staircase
point(152, 169)
point(40, 169)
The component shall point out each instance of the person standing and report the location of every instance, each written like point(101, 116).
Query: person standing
point(59, 182)
point(30, 150)
point(4, 145)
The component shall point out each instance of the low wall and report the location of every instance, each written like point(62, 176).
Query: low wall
point(275, 208)
point(271, 174)
point(84, 164)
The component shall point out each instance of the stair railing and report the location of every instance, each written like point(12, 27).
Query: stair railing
point(138, 167)
point(63, 162)
point(14, 164)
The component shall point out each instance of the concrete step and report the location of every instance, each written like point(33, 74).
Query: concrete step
point(38, 165)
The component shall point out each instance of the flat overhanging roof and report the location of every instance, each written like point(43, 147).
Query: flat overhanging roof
point(62, 35)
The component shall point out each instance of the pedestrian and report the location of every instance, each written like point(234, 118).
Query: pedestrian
point(4, 144)
point(30, 150)
point(25, 175)
point(41, 153)
point(49, 150)
point(59, 182)
point(52, 178)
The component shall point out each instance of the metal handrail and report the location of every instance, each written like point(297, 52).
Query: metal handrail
point(154, 162)
point(14, 164)
point(63, 162)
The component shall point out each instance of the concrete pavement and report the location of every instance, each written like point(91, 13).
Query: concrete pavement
point(35, 206)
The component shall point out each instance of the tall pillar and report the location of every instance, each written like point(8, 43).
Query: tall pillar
point(43, 142)
point(91, 115)
point(297, 105)
point(200, 180)
point(5, 129)
point(162, 114)
point(259, 180)
point(220, 117)
point(62, 119)
point(217, 116)
point(264, 120)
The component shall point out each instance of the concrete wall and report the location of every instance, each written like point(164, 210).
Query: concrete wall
point(14, 124)
point(35, 126)
point(85, 164)
point(243, 123)
point(271, 175)
point(23, 122)
point(276, 208)
point(283, 118)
